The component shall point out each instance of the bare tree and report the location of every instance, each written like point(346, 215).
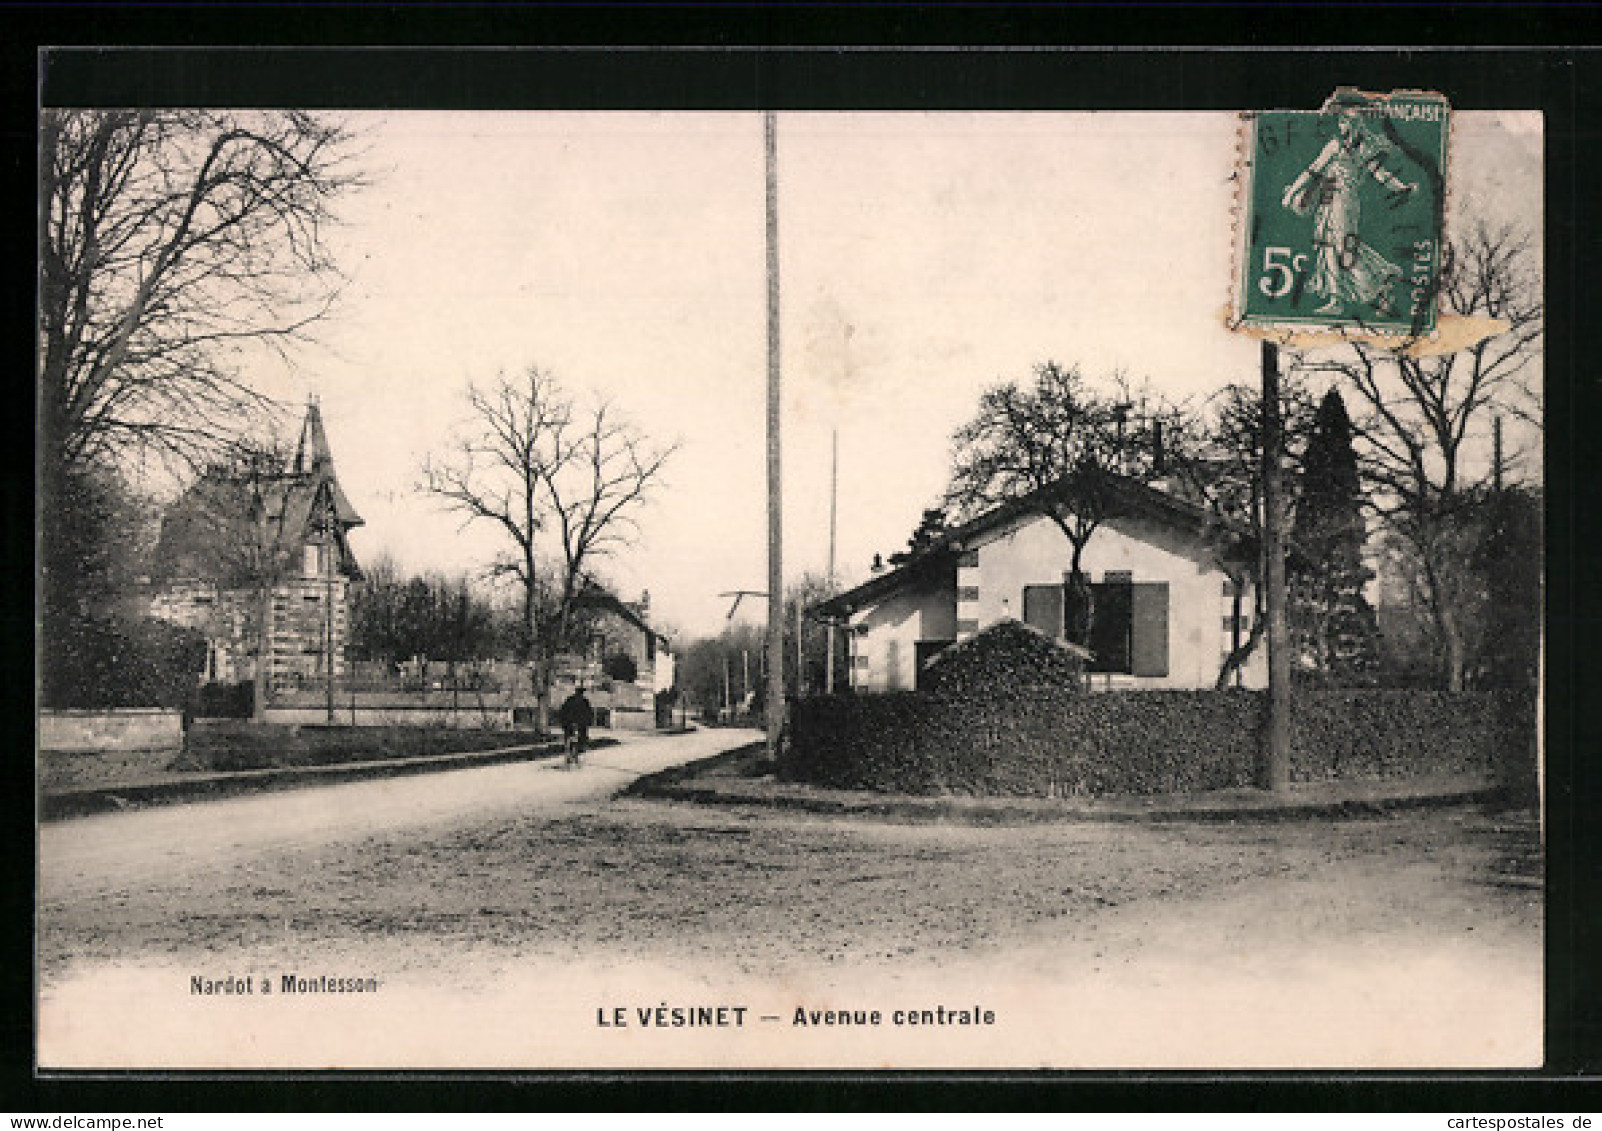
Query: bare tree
point(1215, 459)
point(1422, 422)
point(1063, 448)
point(552, 476)
point(170, 242)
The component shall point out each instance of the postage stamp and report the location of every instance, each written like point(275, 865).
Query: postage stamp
point(1343, 223)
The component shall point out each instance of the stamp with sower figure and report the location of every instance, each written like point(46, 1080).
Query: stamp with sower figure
point(1343, 217)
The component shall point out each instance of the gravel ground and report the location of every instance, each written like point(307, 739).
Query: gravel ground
point(770, 892)
point(503, 907)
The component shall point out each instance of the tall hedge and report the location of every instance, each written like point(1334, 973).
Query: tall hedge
point(1059, 741)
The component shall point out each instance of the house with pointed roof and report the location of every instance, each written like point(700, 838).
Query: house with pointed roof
point(1170, 602)
point(258, 558)
point(612, 629)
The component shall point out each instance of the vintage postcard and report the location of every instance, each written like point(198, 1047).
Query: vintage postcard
point(415, 694)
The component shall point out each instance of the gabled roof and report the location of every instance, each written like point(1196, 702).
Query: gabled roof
point(598, 597)
point(226, 517)
point(1004, 627)
point(1130, 497)
point(313, 458)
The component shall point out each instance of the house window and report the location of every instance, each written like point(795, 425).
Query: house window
point(968, 559)
point(314, 561)
point(967, 625)
point(968, 593)
point(1129, 631)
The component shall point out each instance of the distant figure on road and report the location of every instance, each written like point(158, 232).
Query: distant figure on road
point(575, 715)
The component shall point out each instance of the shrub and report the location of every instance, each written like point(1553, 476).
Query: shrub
point(114, 662)
point(226, 700)
point(1007, 657)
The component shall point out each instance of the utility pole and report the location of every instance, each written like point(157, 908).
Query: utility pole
point(1274, 771)
point(327, 562)
point(775, 694)
point(800, 653)
point(1496, 453)
point(834, 499)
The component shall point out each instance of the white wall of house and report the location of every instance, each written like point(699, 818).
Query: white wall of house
point(1036, 552)
point(988, 585)
point(663, 671)
point(885, 642)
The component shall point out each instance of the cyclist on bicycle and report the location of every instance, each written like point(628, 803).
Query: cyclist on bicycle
point(575, 715)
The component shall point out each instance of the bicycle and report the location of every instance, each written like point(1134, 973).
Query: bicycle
point(573, 748)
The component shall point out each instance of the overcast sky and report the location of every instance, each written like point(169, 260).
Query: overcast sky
point(923, 257)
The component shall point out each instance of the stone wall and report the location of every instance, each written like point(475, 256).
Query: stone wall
point(101, 731)
point(472, 718)
point(97, 748)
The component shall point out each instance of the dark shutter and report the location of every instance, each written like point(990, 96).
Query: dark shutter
point(1149, 621)
point(1042, 609)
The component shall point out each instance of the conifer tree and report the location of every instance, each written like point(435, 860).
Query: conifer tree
point(1332, 621)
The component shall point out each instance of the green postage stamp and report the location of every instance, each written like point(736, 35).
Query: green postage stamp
point(1343, 216)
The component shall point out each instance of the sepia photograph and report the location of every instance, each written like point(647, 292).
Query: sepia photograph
point(549, 590)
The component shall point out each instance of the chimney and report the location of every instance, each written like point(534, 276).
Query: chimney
point(878, 565)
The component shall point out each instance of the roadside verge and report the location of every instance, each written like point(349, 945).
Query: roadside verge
point(739, 777)
point(83, 800)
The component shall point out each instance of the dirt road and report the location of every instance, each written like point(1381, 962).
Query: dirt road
point(170, 845)
point(508, 932)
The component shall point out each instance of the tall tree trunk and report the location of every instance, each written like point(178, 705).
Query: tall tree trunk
point(1079, 603)
point(1452, 641)
point(1446, 621)
point(1243, 649)
point(258, 700)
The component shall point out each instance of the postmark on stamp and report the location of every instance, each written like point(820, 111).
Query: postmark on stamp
point(1343, 216)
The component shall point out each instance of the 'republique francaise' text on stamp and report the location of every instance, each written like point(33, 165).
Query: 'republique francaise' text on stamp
point(1343, 222)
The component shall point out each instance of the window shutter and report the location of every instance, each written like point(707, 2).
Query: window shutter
point(1042, 609)
point(1149, 621)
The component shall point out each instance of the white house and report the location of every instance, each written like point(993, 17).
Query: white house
point(1167, 611)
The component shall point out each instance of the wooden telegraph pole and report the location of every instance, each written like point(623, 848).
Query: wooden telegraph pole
point(1274, 768)
point(775, 693)
point(834, 495)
